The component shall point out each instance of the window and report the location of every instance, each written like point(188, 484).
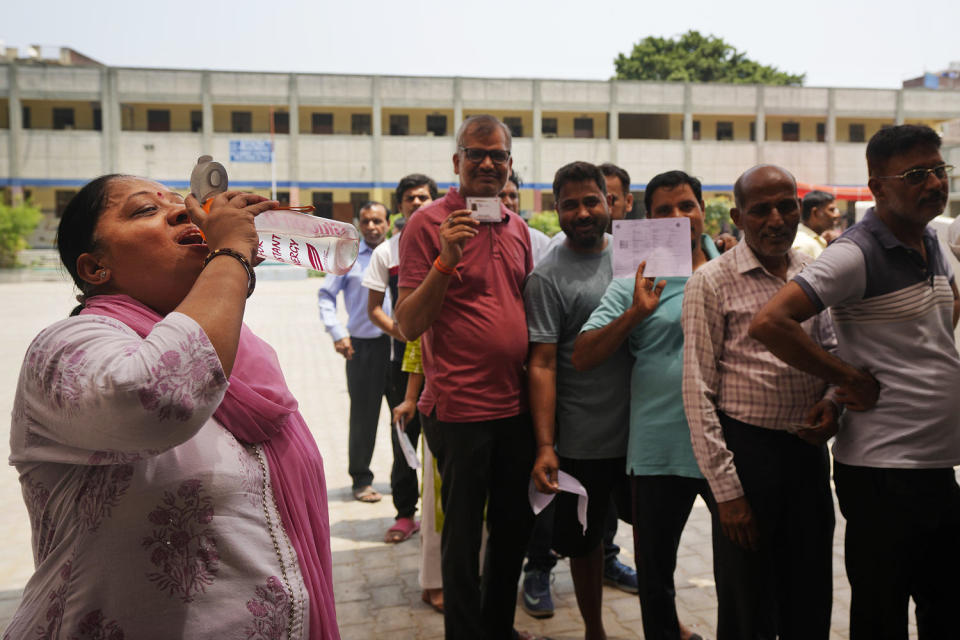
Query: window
point(97, 119)
point(790, 131)
point(241, 122)
point(158, 120)
point(857, 133)
point(753, 131)
point(399, 124)
point(515, 125)
point(357, 200)
point(63, 118)
point(821, 131)
point(283, 197)
point(724, 130)
point(323, 204)
point(62, 199)
point(25, 112)
point(548, 127)
point(547, 202)
point(196, 120)
point(583, 127)
point(696, 129)
point(281, 122)
point(437, 125)
point(321, 123)
point(361, 124)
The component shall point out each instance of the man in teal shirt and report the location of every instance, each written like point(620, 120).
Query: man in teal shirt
point(664, 473)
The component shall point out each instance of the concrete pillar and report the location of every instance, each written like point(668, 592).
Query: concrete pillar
point(537, 144)
point(613, 122)
point(457, 104)
point(760, 128)
point(900, 116)
point(376, 153)
point(16, 133)
point(293, 140)
point(687, 128)
point(110, 123)
point(206, 105)
point(831, 136)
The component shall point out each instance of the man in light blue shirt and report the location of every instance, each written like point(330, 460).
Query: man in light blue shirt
point(365, 347)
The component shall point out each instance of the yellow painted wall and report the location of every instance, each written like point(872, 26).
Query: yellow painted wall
point(41, 113)
point(565, 122)
point(708, 126)
point(133, 116)
point(871, 126)
point(417, 119)
point(526, 118)
point(676, 126)
point(342, 118)
point(260, 117)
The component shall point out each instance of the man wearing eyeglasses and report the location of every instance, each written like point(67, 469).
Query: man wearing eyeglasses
point(461, 287)
point(894, 300)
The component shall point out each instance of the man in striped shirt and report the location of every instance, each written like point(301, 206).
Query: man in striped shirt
point(893, 297)
point(758, 428)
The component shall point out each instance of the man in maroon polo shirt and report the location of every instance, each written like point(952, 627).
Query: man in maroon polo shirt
point(461, 287)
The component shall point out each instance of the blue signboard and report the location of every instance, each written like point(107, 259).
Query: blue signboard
point(250, 151)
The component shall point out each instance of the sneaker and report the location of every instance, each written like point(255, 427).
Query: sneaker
point(616, 574)
point(536, 600)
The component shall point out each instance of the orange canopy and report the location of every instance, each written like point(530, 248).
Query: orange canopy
point(840, 193)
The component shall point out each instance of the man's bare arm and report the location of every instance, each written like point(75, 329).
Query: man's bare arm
point(777, 326)
point(542, 375)
point(379, 317)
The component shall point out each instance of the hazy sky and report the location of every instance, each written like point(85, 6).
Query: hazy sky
point(836, 43)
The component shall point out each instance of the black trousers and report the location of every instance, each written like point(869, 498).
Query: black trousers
point(366, 385)
point(661, 506)
point(785, 588)
point(482, 464)
point(403, 479)
point(902, 541)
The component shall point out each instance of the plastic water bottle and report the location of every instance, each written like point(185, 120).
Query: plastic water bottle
point(307, 241)
point(289, 235)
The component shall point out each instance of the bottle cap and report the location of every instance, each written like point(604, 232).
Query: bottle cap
point(207, 179)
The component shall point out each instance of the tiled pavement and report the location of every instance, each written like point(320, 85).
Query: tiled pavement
point(375, 584)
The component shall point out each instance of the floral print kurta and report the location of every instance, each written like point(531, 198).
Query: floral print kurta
point(150, 520)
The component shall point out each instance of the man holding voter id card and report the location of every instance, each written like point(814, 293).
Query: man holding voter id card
point(463, 261)
point(758, 427)
point(641, 312)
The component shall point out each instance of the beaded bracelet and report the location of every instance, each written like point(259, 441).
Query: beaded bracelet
point(251, 276)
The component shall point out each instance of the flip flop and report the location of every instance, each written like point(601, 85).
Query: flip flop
point(401, 530)
point(367, 494)
point(434, 598)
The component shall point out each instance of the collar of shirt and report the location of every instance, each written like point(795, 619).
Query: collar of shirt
point(747, 261)
point(813, 235)
point(872, 222)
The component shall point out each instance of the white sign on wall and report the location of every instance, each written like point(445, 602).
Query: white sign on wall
point(250, 150)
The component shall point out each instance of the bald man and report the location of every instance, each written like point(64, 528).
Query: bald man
point(759, 428)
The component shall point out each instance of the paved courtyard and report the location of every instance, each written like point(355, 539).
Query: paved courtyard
point(376, 584)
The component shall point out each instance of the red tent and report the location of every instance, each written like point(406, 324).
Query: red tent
point(840, 193)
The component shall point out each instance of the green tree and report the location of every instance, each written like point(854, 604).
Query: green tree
point(716, 211)
point(693, 57)
point(16, 224)
point(546, 221)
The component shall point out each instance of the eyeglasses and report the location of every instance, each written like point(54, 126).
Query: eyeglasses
point(497, 156)
point(919, 176)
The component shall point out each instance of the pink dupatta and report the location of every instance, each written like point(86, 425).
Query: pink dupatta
point(259, 409)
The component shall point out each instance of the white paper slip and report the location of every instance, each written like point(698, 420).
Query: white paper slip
point(484, 209)
point(663, 242)
point(409, 451)
point(539, 500)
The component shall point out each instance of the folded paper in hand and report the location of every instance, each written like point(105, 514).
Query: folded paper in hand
point(568, 483)
point(409, 451)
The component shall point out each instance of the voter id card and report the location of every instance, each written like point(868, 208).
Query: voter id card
point(484, 209)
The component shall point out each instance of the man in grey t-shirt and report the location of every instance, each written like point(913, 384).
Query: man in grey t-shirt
point(895, 304)
point(584, 415)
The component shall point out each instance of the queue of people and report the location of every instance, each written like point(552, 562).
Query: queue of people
point(152, 427)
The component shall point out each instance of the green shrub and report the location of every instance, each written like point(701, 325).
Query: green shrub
point(17, 222)
point(716, 212)
point(545, 221)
